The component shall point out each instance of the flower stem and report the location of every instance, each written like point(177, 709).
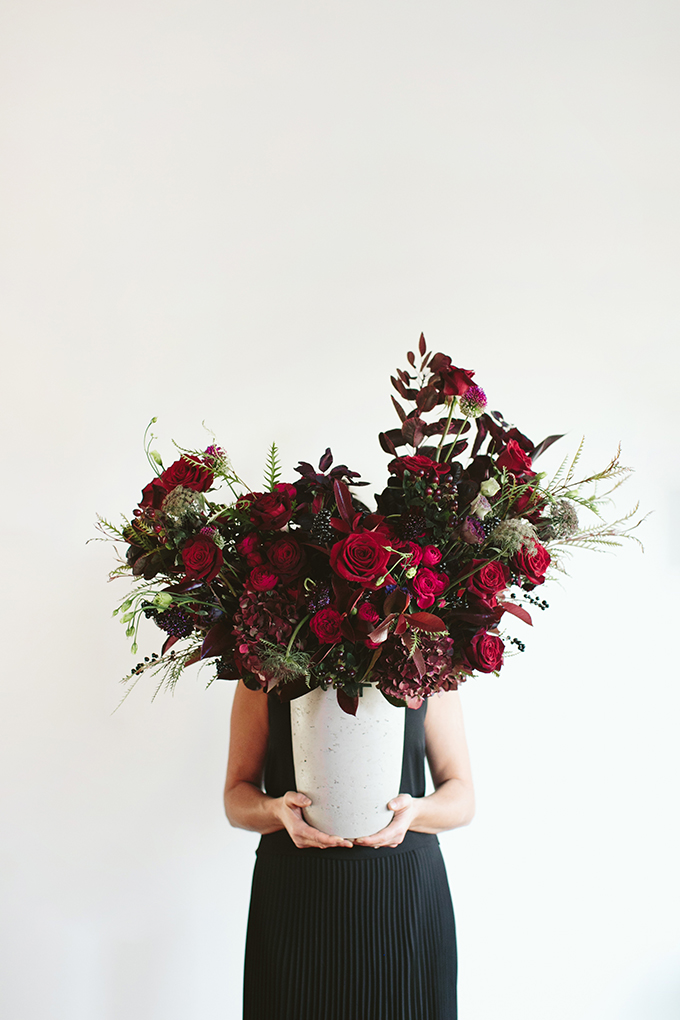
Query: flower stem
point(295, 634)
point(446, 429)
point(453, 444)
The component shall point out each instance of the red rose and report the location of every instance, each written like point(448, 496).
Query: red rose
point(286, 556)
point(491, 578)
point(427, 584)
point(515, 459)
point(248, 544)
point(286, 489)
point(362, 558)
point(431, 556)
point(485, 652)
point(531, 566)
point(368, 613)
point(455, 381)
point(187, 474)
point(202, 558)
point(419, 465)
point(263, 579)
point(416, 554)
point(269, 510)
point(326, 625)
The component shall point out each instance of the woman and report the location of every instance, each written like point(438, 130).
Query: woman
point(340, 929)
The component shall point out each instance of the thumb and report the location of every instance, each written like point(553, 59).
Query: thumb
point(300, 799)
point(400, 802)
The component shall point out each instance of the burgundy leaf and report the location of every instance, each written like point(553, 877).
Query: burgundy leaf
point(401, 625)
point(217, 640)
point(422, 345)
point(518, 611)
point(419, 661)
point(413, 431)
point(382, 630)
point(170, 640)
point(399, 409)
point(348, 630)
point(479, 438)
point(411, 359)
point(397, 601)
point(346, 703)
point(344, 501)
point(386, 444)
point(404, 376)
point(326, 460)
point(544, 445)
point(426, 621)
point(399, 387)
point(427, 398)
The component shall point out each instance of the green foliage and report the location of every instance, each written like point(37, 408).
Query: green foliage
point(272, 469)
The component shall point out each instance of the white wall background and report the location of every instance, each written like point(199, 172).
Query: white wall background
point(246, 213)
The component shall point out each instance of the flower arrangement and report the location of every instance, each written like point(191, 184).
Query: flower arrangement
point(302, 585)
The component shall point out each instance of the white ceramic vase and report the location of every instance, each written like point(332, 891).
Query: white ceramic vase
point(348, 765)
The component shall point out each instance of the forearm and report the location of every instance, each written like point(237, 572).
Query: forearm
point(247, 807)
point(449, 807)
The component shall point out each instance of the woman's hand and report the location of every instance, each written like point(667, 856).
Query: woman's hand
point(289, 811)
point(405, 809)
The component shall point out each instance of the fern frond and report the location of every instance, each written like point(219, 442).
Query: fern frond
point(272, 469)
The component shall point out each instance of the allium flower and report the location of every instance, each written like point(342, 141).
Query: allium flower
point(514, 534)
point(473, 402)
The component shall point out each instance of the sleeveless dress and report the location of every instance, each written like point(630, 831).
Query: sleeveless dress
point(349, 933)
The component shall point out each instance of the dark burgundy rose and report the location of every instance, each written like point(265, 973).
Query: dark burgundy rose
point(427, 585)
point(491, 578)
point(528, 505)
point(249, 548)
point(286, 556)
point(269, 510)
point(153, 494)
point(202, 558)
point(533, 568)
point(187, 474)
point(454, 381)
point(286, 489)
point(326, 625)
point(485, 652)
point(419, 465)
point(362, 558)
point(263, 579)
point(515, 459)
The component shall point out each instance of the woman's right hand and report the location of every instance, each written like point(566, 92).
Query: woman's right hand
point(289, 810)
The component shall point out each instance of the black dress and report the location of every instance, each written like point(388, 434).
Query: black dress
point(349, 933)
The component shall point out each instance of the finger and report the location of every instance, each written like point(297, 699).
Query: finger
point(317, 838)
point(298, 799)
point(400, 802)
point(385, 836)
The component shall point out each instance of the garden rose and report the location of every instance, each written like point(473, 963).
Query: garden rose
point(514, 459)
point(361, 557)
point(418, 465)
point(416, 554)
point(455, 381)
point(485, 652)
point(368, 613)
point(490, 579)
point(286, 556)
point(153, 494)
point(202, 558)
point(263, 579)
point(532, 567)
point(431, 556)
point(270, 510)
point(326, 625)
point(427, 584)
point(187, 474)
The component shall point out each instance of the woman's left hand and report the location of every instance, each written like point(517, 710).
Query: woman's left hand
point(405, 809)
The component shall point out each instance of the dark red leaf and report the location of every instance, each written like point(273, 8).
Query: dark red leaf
point(404, 376)
point(518, 611)
point(170, 640)
point(427, 398)
point(348, 630)
point(386, 444)
point(411, 359)
point(346, 703)
point(413, 431)
point(422, 345)
point(382, 630)
point(401, 625)
point(399, 409)
point(419, 661)
point(397, 601)
point(426, 621)
point(344, 501)
point(544, 445)
point(217, 640)
point(399, 387)
point(326, 460)
point(479, 438)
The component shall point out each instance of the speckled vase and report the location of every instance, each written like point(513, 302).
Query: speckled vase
point(349, 766)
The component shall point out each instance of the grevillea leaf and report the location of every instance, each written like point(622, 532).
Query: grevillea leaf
point(346, 703)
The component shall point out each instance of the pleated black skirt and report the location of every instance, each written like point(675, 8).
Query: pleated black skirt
point(351, 939)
